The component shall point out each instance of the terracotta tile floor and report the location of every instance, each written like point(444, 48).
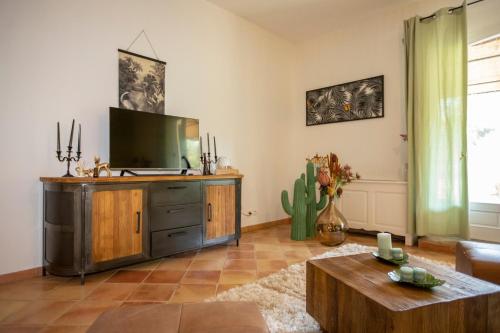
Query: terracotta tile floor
point(55, 304)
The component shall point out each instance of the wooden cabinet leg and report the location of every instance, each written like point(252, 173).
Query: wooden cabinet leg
point(237, 242)
point(82, 278)
point(44, 271)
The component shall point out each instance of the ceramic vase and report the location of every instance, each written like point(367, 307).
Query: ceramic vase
point(331, 225)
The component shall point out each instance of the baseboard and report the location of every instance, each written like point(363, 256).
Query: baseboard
point(21, 275)
point(265, 225)
point(441, 244)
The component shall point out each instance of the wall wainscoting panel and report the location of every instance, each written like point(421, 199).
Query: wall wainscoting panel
point(484, 221)
point(376, 205)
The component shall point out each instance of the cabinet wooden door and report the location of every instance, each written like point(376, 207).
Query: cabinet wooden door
point(116, 224)
point(220, 214)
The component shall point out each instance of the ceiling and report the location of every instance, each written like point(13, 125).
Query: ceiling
point(299, 20)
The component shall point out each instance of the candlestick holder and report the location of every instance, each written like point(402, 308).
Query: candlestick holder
point(206, 161)
point(68, 159)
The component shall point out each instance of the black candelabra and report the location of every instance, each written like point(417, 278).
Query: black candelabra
point(68, 159)
point(205, 158)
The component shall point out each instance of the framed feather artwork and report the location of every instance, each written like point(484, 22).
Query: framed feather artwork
point(357, 100)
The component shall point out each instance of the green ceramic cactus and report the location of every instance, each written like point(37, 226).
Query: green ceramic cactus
point(298, 211)
point(313, 207)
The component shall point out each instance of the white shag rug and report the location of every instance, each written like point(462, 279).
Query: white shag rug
point(281, 297)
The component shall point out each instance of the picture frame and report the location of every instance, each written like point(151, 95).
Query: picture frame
point(141, 82)
point(350, 101)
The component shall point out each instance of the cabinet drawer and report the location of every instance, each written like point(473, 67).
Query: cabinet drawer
point(175, 193)
point(164, 243)
point(170, 217)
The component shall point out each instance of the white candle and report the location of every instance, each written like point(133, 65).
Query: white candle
point(384, 244)
point(419, 274)
point(397, 253)
point(406, 274)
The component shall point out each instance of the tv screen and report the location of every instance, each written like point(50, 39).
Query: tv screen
point(141, 140)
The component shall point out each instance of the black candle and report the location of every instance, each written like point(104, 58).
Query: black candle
point(58, 137)
point(208, 142)
point(79, 137)
point(215, 147)
point(71, 134)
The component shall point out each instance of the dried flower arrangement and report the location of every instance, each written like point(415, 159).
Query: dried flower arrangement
point(332, 175)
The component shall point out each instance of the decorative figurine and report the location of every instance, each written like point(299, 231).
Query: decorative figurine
point(81, 171)
point(100, 166)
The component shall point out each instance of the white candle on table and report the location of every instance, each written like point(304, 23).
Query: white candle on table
point(397, 253)
point(384, 244)
point(406, 274)
point(419, 274)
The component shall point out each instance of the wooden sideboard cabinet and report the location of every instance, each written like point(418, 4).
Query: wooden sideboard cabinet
point(95, 224)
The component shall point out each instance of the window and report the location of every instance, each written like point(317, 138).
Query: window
point(484, 121)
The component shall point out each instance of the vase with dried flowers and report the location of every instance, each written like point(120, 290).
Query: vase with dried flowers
point(331, 225)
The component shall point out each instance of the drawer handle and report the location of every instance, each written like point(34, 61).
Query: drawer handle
point(172, 211)
point(138, 227)
point(209, 212)
point(177, 234)
point(176, 187)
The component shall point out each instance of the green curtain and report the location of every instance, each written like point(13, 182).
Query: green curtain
point(436, 105)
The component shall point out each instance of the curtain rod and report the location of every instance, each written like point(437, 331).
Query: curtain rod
point(451, 10)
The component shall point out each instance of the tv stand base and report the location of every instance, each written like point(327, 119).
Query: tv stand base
point(124, 171)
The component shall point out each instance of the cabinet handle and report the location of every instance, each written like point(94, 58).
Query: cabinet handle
point(176, 187)
point(138, 227)
point(209, 212)
point(176, 234)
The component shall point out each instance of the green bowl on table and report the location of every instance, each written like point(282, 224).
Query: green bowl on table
point(429, 282)
point(392, 261)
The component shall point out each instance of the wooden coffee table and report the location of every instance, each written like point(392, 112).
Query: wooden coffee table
point(354, 294)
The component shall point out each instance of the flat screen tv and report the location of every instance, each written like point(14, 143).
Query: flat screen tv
point(141, 141)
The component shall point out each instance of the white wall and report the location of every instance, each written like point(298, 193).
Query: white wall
point(59, 61)
point(366, 48)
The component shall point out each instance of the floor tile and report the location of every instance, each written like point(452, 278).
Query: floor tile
point(201, 277)
point(24, 290)
point(269, 255)
point(21, 328)
point(240, 264)
point(175, 264)
point(128, 276)
point(84, 313)
point(165, 277)
point(92, 279)
point(241, 247)
point(225, 287)
point(153, 292)
point(69, 292)
point(65, 329)
point(212, 253)
point(240, 254)
point(38, 313)
point(9, 307)
point(261, 274)
point(271, 265)
point(139, 303)
point(112, 291)
point(146, 266)
point(207, 264)
point(237, 277)
point(188, 293)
